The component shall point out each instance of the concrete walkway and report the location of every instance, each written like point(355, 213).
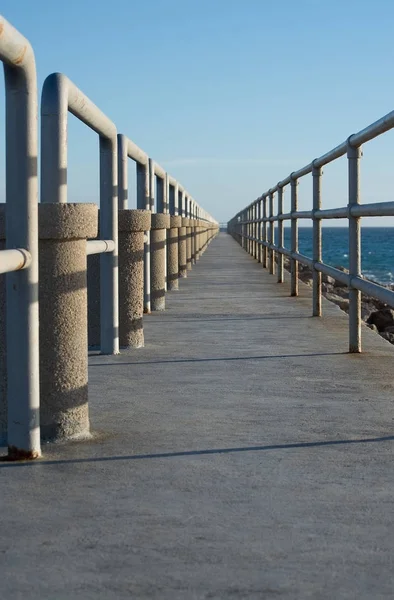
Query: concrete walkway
point(241, 454)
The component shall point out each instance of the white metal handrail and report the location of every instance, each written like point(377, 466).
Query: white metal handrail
point(254, 225)
point(59, 97)
point(20, 260)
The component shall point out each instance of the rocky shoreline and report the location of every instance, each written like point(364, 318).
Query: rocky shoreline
point(377, 315)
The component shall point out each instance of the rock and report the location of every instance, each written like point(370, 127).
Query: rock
point(306, 277)
point(388, 336)
point(389, 329)
point(341, 291)
point(343, 303)
point(338, 283)
point(328, 279)
point(373, 327)
point(382, 318)
point(365, 312)
point(327, 287)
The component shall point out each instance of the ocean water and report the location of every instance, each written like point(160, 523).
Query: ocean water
point(377, 249)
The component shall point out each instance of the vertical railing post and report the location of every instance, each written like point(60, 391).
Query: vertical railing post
point(247, 230)
point(265, 249)
point(259, 231)
point(21, 232)
point(354, 155)
point(280, 234)
point(317, 241)
point(272, 239)
point(109, 293)
point(143, 202)
point(294, 236)
point(253, 230)
point(256, 230)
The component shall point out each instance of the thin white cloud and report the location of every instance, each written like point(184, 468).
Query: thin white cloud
point(198, 162)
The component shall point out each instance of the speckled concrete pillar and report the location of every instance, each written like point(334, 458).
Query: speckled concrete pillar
point(193, 223)
point(189, 245)
point(158, 255)
point(173, 253)
point(182, 248)
point(204, 238)
point(3, 345)
point(198, 241)
point(63, 230)
point(132, 225)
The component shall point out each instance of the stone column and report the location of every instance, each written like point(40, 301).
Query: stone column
point(193, 224)
point(189, 245)
point(173, 253)
point(182, 247)
point(204, 237)
point(198, 239)
point(132, 225)
point(63, 230)
point(160, 223)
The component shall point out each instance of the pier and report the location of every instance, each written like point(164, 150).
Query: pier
point(180, 417)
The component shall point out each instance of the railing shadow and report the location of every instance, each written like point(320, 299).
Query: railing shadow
point(206, 452)
point(219, 359)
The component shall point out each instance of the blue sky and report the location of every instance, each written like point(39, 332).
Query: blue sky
point(228, 96)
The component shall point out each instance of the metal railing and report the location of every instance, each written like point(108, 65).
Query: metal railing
point(20, 259)
point(254, 227)
point(59, 97)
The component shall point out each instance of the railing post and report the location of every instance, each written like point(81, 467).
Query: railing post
point(259, 232)
point(143, 203)
point(280, 234)
point(252, 231)
point(294, 236)
point(247, 230)
point(272, 239)
point(255, 235)
point(317, 241)
point(265, 249)
point(354, 155)
point(21, 232)
point(109, 287)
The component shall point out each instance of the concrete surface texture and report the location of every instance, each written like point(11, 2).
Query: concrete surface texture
point(158, 259)
point(193, 240)
point(63, 229)
point(182, 245)
point(241, 454)
point(132, 225)
point(189, 231)
point(198, 240)
point(173, 253)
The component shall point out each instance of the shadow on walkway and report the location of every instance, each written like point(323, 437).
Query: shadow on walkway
point(221, 359)
point(296, 445)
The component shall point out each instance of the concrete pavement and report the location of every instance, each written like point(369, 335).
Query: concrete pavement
point(241, 454)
